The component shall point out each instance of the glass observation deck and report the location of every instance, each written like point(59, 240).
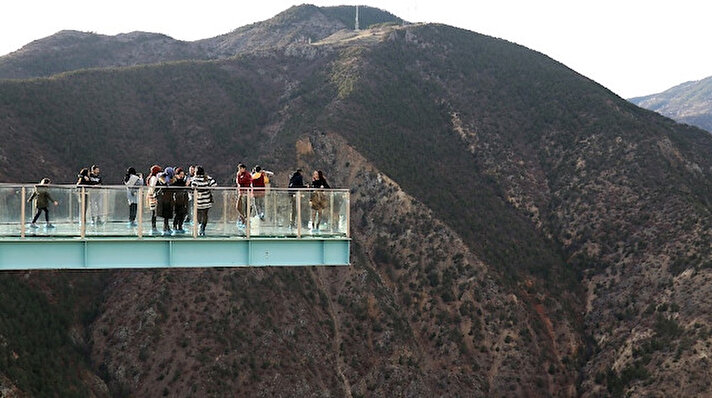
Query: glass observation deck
point(89, 228)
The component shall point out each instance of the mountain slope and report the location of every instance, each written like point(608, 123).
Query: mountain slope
point(518, 229)
point(690, 103)
point(72, 50)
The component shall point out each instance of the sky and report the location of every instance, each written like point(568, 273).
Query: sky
point(632, 47)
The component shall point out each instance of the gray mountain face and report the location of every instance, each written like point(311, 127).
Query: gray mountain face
point(689, 103)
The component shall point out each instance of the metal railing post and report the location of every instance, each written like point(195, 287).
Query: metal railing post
point(71, 213)
point(105, 206)
point(83, 209)
point(195, 212)
point(224, 220)
point(299, 213)
point(139, 212)
point(348, 214)
point(331, 212)
point(247, 215)
point(23, 195)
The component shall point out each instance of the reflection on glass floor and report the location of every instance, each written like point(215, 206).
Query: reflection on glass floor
point(258, 228)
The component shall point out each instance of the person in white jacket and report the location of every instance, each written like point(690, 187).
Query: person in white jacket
point(132, 181)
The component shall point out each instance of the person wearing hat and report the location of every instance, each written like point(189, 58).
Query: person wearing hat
point(132, 180)
point(164, 198)
point(203, 197)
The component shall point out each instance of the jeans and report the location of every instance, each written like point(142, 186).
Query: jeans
point(133, 208)
point(203, 219)
point(39, 211)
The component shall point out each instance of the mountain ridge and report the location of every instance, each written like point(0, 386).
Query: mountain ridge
point(70, 50)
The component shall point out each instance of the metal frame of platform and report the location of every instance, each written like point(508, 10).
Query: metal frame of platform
point(36, 254)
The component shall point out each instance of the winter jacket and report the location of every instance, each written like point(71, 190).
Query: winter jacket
point(132, 188)
point(204, 197)
point(43, 197)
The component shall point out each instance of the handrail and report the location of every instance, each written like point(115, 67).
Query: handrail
point(103, 186)
point(103, 204)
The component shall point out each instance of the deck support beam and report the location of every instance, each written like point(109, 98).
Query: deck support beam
point(37, 254)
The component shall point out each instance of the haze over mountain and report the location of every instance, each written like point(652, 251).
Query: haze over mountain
point(689, 102)
point(518, 230)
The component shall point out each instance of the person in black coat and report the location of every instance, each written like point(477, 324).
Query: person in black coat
point(164, 198)
point(295, 181)
point(180, 196)
point(318, 199)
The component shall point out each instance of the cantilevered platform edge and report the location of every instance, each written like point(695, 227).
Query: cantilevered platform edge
point(108, 253)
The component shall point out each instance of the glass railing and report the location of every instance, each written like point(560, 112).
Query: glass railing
point(105, 211)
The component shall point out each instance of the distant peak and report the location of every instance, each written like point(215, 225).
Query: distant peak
point(298, 12)
point(141, 35)
point(345, 14)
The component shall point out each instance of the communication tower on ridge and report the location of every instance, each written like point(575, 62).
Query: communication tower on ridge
point(356, 25)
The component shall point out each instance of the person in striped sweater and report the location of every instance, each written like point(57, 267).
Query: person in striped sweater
point(204, 196)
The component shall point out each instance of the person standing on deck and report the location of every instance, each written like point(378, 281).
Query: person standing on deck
point(188, 179)
point(42, 200)
point(164, 198)
point(180, 195)
point(295, 181)
point(83, 181)
point(204, 196)
point(243, 180)
point(95, 196)
point(259, 179)
point(132, 180)
point(151, 182)
point(318, 198)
